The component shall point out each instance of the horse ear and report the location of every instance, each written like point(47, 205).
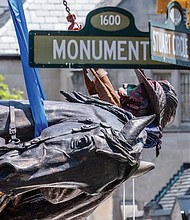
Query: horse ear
point(134, 127)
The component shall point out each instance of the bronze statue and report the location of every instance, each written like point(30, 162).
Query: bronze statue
point(89, 149)
point(148, 97)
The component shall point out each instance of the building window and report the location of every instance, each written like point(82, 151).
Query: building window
point(185, 97)
point(162, 76)
point(181, 82)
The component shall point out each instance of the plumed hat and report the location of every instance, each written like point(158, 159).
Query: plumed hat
point(162, 96)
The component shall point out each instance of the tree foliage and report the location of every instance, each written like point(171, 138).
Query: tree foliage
point(6, 94)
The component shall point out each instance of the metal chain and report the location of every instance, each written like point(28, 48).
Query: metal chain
point(66, 7)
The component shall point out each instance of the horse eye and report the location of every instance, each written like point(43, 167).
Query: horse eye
point(84, 141)
point(81, 142)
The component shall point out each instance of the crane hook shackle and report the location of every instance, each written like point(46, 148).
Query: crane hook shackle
point(66, 7)
point(71, 18)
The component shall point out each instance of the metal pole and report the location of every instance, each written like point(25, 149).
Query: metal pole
point(124, 214)
point(133, 182)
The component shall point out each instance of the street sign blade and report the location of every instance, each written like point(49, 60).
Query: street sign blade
point(170, 42)
point(109, 39)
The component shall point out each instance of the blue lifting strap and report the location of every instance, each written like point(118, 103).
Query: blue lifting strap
point(33, 83)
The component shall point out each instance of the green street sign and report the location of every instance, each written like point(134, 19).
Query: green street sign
point(109, 39)
point(170, 42)
point(90, 50)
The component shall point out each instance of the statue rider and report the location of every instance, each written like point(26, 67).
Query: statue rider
point(148, 97)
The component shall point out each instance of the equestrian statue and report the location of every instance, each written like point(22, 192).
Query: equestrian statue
point(91, 146)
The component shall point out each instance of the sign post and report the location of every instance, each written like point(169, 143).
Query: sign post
point(170, 42)
point(109, 39)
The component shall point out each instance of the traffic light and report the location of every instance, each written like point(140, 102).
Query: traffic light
point(161, 6)
point(185, 4)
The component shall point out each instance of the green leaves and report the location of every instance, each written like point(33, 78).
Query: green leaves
point(6, 94)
